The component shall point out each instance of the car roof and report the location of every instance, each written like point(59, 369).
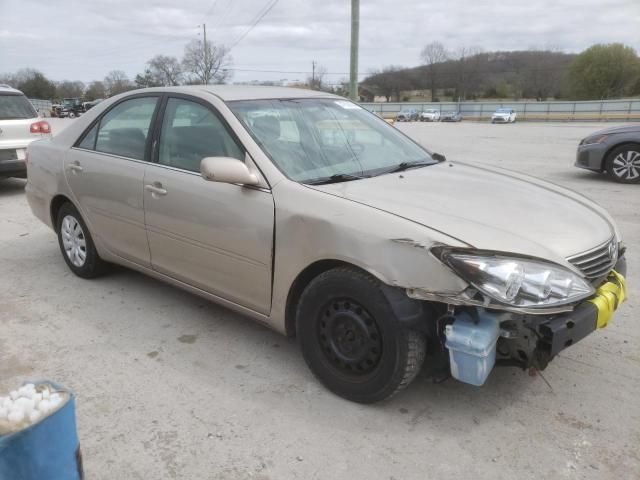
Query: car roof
point(7, 89)
point(247, 92)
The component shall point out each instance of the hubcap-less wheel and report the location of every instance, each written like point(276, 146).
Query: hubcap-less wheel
point(626, 165)
point(349, 337)
point(74, 241)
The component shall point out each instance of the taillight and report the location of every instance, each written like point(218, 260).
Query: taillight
point(40, 127)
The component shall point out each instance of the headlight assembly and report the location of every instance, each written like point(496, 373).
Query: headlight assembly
point(594, 139)
point(516, 281)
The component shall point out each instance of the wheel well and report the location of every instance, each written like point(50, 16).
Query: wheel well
point(56, 203)
point(606, 155)
point(300, 283)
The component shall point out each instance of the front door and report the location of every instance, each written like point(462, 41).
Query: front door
point(214, 236)
point(106, 171)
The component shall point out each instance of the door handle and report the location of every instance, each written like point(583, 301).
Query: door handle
point(155, 189)
point(76, 167)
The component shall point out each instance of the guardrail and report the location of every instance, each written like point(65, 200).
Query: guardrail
point(589, 111)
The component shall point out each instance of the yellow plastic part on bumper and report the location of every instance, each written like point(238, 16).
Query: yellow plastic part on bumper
point(608, 297)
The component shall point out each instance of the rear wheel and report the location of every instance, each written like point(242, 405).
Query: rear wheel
point(352, 340)
point(76, 244)
point(623, 163)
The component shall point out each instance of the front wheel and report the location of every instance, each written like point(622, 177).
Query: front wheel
point(623, 163)
point(76, 244)
point(352, 340)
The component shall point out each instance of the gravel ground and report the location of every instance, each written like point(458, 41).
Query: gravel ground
point(170, 386)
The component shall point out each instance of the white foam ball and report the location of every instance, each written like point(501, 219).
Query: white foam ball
point(55, 400)
point(44, 406)
point(34, 416)
point(27, 390)
point(28, 405)
point(3, 413)
point(37, 398)
point(14, 395)
point(46, 393)
point(16, 415)
point(7, 403)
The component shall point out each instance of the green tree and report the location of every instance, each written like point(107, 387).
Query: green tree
point(604, 71)
point(95, 90)
point(34, 84)
point(69, 89)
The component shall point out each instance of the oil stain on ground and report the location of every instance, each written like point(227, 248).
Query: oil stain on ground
point(187, 338)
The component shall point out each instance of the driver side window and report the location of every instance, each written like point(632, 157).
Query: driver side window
point(191, 132)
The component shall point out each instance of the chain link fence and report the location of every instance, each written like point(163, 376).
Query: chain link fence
point(591, 111)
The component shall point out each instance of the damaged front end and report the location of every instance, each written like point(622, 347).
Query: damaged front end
point(476, 332)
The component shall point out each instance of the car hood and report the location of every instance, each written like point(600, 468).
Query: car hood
point(486, 208)
point(625, 129)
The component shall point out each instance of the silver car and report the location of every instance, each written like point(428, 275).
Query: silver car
point(19, 126)
point(615, 151)
point(318, 219)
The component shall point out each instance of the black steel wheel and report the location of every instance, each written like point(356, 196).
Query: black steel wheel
point(351, 338)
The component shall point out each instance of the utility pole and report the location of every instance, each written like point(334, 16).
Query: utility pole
point(355, 33)
point(206, 48)
point(313, 74)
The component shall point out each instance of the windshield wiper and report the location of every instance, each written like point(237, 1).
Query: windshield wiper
point(407, 165)
point(335, 178)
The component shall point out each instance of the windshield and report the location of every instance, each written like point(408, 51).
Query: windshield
point(310, 139)
point(14, 107)
point(503, 110)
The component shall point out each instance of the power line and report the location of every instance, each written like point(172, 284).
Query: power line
point(260, 16)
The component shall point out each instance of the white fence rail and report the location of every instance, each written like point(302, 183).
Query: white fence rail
point(606, 110)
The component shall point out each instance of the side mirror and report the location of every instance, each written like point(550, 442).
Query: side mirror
point(438, 157)
point(227, 170)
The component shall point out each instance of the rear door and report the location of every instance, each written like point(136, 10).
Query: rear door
point(105, 171)
point(16, 116)
point(215, 236)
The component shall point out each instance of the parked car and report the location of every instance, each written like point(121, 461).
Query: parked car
point(451, 117)
point(430, 115)
point(19, 126)
point(315, 217)
point(89, 105)
point(70, 107)
point(504, 115)
point(615, 151)
point(407, 115)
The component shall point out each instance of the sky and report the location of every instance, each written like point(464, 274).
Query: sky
point(85, 39)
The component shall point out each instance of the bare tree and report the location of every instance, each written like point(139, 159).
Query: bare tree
point(95, 90)
point(69, 89)
point(467, 70)
point(432, 55)
point(206, 63)
point(389, 81)
point(117, 82)
point(165, 70)
point(316, 82)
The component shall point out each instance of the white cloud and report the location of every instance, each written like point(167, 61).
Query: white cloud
point(79, 39)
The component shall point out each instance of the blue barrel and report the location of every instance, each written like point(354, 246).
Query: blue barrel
point(47, 450)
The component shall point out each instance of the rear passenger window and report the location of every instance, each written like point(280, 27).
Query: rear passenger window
point(123, 131)
point(89, 140)
point(191, 132)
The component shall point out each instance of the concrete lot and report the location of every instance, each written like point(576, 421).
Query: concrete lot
point(170, 386)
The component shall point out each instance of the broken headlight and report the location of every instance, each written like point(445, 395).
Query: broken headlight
point(516, 281)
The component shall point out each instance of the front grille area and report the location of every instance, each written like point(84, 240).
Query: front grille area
point(598, 261)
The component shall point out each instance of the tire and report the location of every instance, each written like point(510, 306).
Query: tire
point(351, 339)
point(623, 163)
point(76, 245)
point(71, 115)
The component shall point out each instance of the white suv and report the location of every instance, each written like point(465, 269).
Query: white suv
point(19, 126)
